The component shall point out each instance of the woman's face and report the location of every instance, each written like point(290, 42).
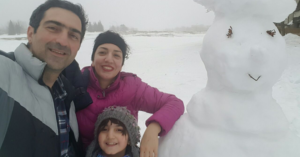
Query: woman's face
point(112, 140)
point(107, 61)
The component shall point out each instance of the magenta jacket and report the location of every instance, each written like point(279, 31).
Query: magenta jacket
point(128, 90)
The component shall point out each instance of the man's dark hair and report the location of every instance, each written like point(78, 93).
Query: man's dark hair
point(38, 14)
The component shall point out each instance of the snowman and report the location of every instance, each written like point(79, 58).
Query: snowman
point(235, 115)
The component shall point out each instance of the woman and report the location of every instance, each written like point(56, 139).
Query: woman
point(108, 86)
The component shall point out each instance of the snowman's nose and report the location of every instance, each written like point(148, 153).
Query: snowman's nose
point(257, 53)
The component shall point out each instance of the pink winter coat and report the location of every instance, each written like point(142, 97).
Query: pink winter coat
point(128, 90)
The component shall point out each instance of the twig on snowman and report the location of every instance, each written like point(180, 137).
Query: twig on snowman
point(229, 32)
point(271, 32)
point(254, 78)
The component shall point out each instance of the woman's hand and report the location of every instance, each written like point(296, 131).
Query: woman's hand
point(149, 143)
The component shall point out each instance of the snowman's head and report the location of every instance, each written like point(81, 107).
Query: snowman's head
point(244, 57)
point(275, 10)
point(237, 51)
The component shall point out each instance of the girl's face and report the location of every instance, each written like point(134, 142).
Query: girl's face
point(107, 61)
point(112, 140)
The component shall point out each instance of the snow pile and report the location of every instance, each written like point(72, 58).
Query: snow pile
point(292, 39)
point(287, 89)
point(235, 114)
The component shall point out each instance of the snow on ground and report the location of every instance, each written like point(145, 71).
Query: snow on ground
point(171, 62)
point(287, 90)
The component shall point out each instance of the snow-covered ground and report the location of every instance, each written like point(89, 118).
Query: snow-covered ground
point(287, 90)
point(171, 62)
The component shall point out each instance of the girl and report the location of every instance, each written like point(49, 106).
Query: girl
point(108, 86)
point(116, 134)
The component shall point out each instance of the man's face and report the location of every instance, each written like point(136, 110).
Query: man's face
point(57, 38)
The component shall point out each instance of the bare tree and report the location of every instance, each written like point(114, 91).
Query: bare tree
point(11, 28)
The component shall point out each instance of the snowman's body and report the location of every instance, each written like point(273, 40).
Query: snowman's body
point(235, 114)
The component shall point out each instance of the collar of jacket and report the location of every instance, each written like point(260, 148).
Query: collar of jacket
point(30, 64)
point(94, 83)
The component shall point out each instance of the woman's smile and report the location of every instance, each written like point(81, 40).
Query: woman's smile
point(107, 68)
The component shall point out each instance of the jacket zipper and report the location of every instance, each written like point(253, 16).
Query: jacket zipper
point(103, 91)
point(57, 122)
point(103, 94)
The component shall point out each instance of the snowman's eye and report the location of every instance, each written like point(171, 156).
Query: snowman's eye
point(271, 32)
point(229, 32)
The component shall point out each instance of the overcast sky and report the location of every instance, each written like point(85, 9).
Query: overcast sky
point(140, 14)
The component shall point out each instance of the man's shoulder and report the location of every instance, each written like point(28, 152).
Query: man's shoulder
point(8, 65)
point(9, 55)
point(6, 58)
point(2, 52)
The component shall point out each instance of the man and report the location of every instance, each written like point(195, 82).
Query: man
point(37, 115)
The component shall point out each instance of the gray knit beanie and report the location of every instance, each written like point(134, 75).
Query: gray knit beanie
point(123, 115)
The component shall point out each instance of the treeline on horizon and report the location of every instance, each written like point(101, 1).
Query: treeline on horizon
point(18, 27)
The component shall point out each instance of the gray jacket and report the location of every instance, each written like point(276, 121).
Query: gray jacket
point(28, 122)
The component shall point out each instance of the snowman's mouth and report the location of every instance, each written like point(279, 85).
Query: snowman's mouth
point(254, 78)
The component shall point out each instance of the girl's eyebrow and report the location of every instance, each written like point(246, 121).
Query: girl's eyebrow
point(120, 126)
